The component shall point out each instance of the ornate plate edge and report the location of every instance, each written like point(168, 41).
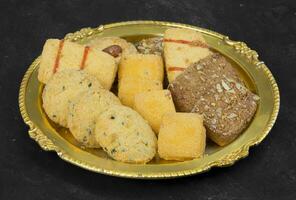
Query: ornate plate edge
point(240, 47)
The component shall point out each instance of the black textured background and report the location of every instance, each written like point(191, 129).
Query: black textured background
point(27, 172)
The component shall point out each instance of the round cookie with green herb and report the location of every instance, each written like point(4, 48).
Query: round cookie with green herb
point(125, 135)
point(83, 113)
point(62, 88)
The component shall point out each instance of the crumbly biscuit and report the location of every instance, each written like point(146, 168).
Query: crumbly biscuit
point(129, 87)
point(105, 42)
point(83, 113)
point(125, 135)
point(144, 66)
point(58, 55)
point(150, 46)
point(153, 105)
point(182, 136)
point(213, 88)
point(182, 47)
point(62, 88)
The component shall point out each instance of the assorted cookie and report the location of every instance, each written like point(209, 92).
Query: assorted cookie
point(129, 87)
point(182, 136)
point(148, 66)
point(62, 89)
point(182, 47)
point(205, 97)
point(115, 46)
point(153, 105)
point(211, 87)
point(139, 73)
point(125, 135)
point(59, 54)
point(83, 112)
point(150, 46)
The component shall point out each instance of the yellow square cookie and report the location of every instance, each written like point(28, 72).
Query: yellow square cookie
point(153, 105)
point(148, 66)
point(129, 87)
point(182, 136)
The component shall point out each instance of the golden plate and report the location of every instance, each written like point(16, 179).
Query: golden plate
point(254, 72)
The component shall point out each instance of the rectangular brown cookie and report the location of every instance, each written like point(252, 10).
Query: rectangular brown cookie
point(212, 87)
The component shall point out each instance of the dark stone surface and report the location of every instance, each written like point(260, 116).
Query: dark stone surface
point(27, 172)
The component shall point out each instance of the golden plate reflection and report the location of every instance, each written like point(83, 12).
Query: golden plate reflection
point(254, 72)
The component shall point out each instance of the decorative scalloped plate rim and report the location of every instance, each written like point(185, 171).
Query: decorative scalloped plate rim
point(226, 160)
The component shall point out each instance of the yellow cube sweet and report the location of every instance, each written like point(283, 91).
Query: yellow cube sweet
point(129, 87)
point(182, 136)
point(148, 66)
point(153, 105)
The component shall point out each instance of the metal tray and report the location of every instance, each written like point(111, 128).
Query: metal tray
point(254, 72)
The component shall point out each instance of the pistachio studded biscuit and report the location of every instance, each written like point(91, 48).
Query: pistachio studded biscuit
point(62, 88)
point(84, 111)
point(125, 135)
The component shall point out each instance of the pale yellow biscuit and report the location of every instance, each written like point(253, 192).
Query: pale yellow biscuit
point(58, 55)
point(153, 105)
point(83, 113)
point(62, 88)
point(182, 47)
point(129, 87)
point(182, 136)
point(145, 66)
point(105, 42)
point(125, 135)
